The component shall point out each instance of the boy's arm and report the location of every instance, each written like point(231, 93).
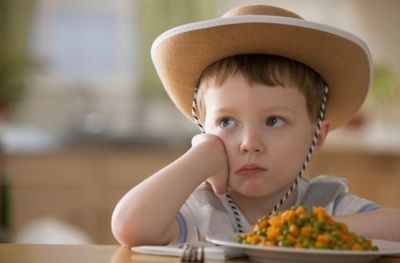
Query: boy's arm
point(146, 215)
point(383, 223)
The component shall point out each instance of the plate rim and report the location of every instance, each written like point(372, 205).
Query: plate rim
point(224, 241)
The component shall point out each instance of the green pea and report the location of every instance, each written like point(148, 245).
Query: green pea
point(284, 243)
point(307, 243)
point(359, 239)
point(344, 247)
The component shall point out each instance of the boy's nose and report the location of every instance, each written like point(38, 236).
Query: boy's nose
point(252, 142)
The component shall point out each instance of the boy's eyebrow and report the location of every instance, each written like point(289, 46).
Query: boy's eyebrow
point(224, 110)
point(273, 108)
point(280, 108)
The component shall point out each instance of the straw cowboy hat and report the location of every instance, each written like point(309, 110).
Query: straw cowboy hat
point(181, 54)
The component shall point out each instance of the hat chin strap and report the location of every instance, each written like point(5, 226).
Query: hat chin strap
point(310, 151)
point(194, 110)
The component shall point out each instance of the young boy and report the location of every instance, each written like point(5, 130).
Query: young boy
point(265, 87)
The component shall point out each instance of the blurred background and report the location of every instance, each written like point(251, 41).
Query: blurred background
point(83, 116)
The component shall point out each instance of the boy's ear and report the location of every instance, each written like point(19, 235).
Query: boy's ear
point(322, 135)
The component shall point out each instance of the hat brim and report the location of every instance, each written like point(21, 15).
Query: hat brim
point(180, 55)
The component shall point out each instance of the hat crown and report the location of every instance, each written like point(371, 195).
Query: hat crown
point(265, 10)
point(181, 54)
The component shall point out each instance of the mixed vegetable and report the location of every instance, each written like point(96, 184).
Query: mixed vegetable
point(298, 228)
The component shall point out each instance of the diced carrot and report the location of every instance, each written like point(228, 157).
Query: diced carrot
point(356, 247)
point(275, 221)
point(253, 239)
point(288, 215)
point(324, 238)
point(343, 227)
point(291, 239)
point(344, 236)
point(306, 231)
point(319, 244)
point(262, 224)
point(272, 233)
point(319, 212)
point(300, 211)
point(294, 230)
point(298, 245)
point(267, 243)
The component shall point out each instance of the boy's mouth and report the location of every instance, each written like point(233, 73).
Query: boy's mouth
point(250, 169)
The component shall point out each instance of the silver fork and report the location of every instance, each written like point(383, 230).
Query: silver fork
point(192, 253)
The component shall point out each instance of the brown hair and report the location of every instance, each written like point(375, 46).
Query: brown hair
point(268, 70)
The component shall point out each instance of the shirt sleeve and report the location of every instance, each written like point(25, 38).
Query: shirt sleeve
point(182, 228)
point(203, 215)
point(347, 204)
point(370, 207)
point(333, 194)
point(187, 224)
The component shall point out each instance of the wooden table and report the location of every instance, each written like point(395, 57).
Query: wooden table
point(20, 253)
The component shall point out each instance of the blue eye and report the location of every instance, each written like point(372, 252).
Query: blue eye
point(275, 122)
point(227, 122)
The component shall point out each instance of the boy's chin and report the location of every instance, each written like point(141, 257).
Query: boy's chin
point(251, 191)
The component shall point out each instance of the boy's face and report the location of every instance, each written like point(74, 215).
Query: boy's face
point(266, 132)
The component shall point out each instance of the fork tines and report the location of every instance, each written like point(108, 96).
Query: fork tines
point(192, 253)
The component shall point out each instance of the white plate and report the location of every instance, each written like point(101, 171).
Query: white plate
point(278, 254)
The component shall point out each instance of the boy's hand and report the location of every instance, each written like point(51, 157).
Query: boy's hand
point(214, 161)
